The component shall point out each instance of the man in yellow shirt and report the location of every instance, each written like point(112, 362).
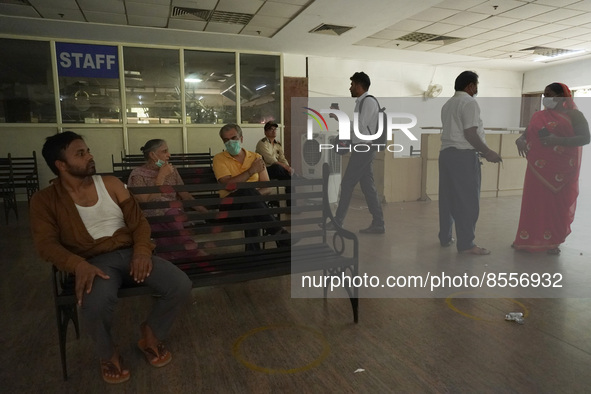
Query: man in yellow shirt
point(235, 165)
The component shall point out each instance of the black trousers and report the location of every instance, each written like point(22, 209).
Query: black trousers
point(459, 195)
point(276, 171)
point(237, 206)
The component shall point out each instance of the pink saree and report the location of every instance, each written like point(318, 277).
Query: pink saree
point(551, 185)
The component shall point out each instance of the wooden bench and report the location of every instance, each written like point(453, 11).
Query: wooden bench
point(17, 173)
point(219, 233)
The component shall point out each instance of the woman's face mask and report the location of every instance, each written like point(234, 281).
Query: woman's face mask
point(233, 147)
point(549, 102)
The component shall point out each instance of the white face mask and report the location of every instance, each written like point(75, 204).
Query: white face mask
point(549, 102)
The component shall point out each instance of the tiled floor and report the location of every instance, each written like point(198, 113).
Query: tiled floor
point(253, 337)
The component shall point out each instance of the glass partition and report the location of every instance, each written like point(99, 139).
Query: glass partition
point(26, 82)
point(260, 96)
point(152, 85)
point(210, 87)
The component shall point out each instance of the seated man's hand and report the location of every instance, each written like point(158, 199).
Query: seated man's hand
point(85, 273)
point(257, 166)
point(141, 266)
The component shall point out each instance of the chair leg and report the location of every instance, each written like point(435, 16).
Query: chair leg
point(65, 313)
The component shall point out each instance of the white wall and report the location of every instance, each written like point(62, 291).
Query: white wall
point(573, 74)
point(329, 80)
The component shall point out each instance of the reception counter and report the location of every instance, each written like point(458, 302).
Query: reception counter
point(414, 178)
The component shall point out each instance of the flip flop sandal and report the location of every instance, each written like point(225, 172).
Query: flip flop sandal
point(109, 370)
point(153, 355)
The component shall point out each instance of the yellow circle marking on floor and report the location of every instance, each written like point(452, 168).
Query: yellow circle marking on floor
point(236, 350)
point(449, 302)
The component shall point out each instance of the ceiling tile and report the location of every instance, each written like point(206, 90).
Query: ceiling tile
point(468, 42)
point(141, 9)
point(494, 22)
point(242, 6)
point(185, 24)
point(397, 44)
point(521, 26)
point(584, 5)
point(467, 32)
point(217, 27)
point(57, 4)
point(111, 6)
point(424, 46)
point(371, 42)
point(56, 13)
point(518, 37)
point(446, 49)
point(259, 31)
point(556, 15)
point(496, 7)
point(538, 41)
point(199, 4)
point(388, 34)
point(438, 28)
point(465, 18)
point(296, 2)
point(556, 3)
point(465, 51)
point(410, 25)
point(527, 11)
point(265, 21)
point(279, 9)
point(571, 32)
point(150, 21)
point(460, 5)
point(489, 53)
point(545, 29)
point(434, 14)
point(18, 10)
point(566, 44)
point(577, 20)
point(105, 17)
point(492, 35)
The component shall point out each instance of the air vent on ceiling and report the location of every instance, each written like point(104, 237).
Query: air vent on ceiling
point(422, 37)
point(333, 30)
point(550, 52)
point(17, 2)
point(211, 15)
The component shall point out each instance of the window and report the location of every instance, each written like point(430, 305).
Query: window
point(26, 83)
point(260, 88)
point(89, 83)
point(210, 87)
point(152, 85)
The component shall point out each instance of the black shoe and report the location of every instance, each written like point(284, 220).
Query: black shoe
point(373, 229)
point(448, 243)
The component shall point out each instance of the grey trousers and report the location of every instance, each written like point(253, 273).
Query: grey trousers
point(459, 195)
point(172, 284)
point(360, 170)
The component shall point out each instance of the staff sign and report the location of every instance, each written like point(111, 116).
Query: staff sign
point(84, 60)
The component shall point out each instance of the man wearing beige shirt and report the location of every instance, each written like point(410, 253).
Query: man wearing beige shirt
point(272, 152)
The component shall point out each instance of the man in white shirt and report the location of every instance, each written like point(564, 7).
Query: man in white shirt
point(462, 141)
point(360, 167)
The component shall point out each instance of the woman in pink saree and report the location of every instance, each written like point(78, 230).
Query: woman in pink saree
point(552, 145)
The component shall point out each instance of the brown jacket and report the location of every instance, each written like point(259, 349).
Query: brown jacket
point(61, 238)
